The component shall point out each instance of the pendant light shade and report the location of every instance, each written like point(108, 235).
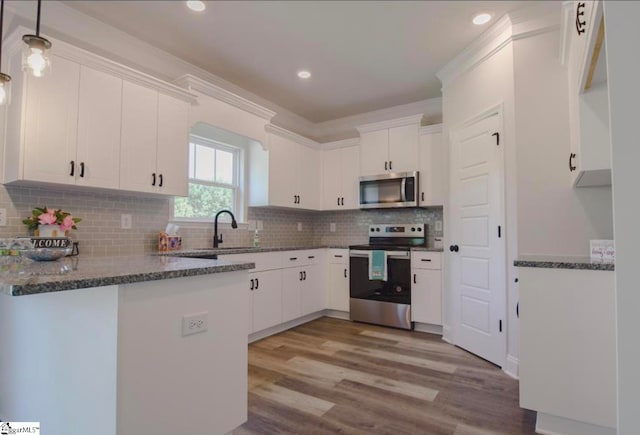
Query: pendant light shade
point(5, 79)
point(35, 57)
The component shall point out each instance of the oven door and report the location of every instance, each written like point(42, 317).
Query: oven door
point(389, 190)
point(397, 288)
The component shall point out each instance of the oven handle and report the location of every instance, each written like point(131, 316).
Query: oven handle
point(403, 255)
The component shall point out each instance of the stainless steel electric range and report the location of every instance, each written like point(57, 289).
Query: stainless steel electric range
point(385, 302)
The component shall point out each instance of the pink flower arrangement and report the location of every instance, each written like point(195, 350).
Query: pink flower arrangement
point(51, 216)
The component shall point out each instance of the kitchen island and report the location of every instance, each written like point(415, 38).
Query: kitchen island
point(567, 343)
point(124, 345)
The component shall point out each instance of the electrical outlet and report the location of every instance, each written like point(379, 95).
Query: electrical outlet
point(194, 323)
point(299, 226)
point(125, 221)
point(438, 225)
point(332, 227)
point(3, 217)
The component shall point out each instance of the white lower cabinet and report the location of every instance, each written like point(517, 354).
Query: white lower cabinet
point(266, 299)
point(338, 280)
point(426, 288)
point(291, 293)
point(313, 295)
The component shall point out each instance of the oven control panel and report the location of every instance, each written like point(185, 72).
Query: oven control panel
point(404, 230)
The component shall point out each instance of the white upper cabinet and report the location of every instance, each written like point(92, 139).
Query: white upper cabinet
point(340, 172)
point(173, 146)
point(390, 146)
point(589, 161)
point(50, 124)
point(431, 166)
point(139, 138)
point(99, 122)
point(287, 174)
point(92, 122)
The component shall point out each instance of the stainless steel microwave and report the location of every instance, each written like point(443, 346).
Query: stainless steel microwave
point(389, 190)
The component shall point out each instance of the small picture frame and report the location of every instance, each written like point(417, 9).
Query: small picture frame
point(602, 250)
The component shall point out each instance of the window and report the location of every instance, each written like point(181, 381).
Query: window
point(213, 181)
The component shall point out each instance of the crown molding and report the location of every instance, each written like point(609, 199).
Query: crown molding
point(86, 58)
point(345, 143)
point(431, 129)
point(511, 27)
point(295, 137)
point(194, 83)
point(398, 122)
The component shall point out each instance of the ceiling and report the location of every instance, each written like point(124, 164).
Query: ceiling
point(363, 55)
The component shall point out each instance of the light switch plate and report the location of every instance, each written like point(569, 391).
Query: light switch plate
point(332, 227)
point(125, 221)
point(3, 217)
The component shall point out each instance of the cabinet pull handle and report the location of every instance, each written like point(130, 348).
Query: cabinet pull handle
point(571, 167)
point(311, 256)
point(304, 274)
point(414, 279)
point(337, 256)
point(390, 167)
point(153, 181)
point(385, 165)
point(518, 310)
point(257, 283)
point(300, 279)
point(342, 199)
point(293, 258)
point(345, 273)
point(422, 196)
point(252, 285)
point(426, 259)
point(73, 167)
point(161, 181)
point(81, 169)
point(338, 200)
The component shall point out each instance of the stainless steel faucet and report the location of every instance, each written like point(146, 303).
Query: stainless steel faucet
point(217, 239)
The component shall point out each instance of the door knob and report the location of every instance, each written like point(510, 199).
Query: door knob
point(454, 248)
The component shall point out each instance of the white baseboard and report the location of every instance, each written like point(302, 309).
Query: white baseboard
point(548, 424)
point(336, 314)
point(284, 326)
point(512, 367)
point(428, 328)
point(446, 334)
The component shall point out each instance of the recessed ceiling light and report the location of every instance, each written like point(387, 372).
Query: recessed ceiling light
point(196, 5)
point(304, 74)
point(481, 19)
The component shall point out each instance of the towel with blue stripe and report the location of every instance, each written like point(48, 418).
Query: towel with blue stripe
point(377, 265)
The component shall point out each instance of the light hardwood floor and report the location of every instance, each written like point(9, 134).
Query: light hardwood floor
point(333, 376)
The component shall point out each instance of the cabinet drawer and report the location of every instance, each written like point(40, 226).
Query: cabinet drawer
point(338, 256)
point(293, 258)
point(426, 260)
point(263, 261)
point(311, 256)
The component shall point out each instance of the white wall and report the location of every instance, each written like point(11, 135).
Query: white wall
point(553, 217)
point(623, 69)
point(486, 85)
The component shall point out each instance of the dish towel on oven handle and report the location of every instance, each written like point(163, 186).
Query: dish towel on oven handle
point(377, 265)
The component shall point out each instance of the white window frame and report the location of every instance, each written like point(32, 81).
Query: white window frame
point(236, 184)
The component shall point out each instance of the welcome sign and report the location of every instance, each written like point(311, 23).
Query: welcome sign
point(51, 242)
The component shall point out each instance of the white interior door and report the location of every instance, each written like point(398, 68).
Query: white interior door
point(478, 274)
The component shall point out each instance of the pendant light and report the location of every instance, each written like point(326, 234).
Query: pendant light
point(5, 79)
point(35, 58)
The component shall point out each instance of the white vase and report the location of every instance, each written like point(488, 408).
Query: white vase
point(50, 231)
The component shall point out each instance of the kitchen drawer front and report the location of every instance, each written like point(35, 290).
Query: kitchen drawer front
point(263, 260)
point(338, 256)
point(302, 257)
point(426, 260)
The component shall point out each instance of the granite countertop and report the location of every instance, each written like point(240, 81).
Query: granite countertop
point(252, 250)
point(20, 276)
point(552, 262)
